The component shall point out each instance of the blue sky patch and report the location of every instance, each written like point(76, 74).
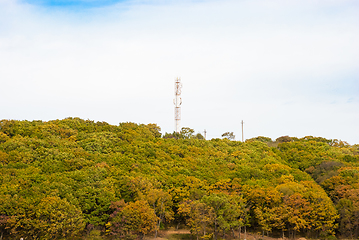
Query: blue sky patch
point(74, 3)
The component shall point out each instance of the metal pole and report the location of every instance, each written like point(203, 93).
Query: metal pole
point(242, 131)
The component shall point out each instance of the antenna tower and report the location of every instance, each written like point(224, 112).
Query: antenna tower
point(178, 101)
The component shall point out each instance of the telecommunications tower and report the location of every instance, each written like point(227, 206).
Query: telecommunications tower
point(178, 101)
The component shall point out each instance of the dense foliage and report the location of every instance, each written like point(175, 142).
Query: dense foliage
point(64, 178)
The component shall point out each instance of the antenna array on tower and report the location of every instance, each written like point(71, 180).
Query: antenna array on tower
point(178, 101)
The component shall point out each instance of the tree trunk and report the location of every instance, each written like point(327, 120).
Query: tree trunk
point(142, 235)
point(215, 230)
point(159, 224)
point(245, 232)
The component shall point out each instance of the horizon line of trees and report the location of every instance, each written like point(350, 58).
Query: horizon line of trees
point(69, 178)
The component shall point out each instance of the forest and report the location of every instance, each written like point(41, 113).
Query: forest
point(65, 179)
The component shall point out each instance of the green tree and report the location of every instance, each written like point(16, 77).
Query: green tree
point(187, 132)
point(161, 202)
point(132, 219)
point(345, 210)
point(229, 135)
point(154, 129)
point(260, 139)
point(299, 210)
point(284, 139)
point(199, 216)
point(52, 218)
point(222, 211)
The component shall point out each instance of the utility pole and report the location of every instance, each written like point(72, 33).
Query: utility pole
point(178, 101)
point(205, 133)
point(242, 131)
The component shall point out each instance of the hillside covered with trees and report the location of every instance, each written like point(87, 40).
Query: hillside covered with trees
point(63, 179)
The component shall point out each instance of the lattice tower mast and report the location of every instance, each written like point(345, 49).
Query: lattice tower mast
point(178, 101)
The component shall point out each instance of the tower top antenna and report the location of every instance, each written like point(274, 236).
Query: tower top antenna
point(178, 102)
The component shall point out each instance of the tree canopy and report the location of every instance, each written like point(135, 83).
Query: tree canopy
point(62, 178)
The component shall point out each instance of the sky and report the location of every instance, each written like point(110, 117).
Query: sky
point(283, 67)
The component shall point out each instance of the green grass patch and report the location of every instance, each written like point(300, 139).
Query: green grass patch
point(179, 236)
